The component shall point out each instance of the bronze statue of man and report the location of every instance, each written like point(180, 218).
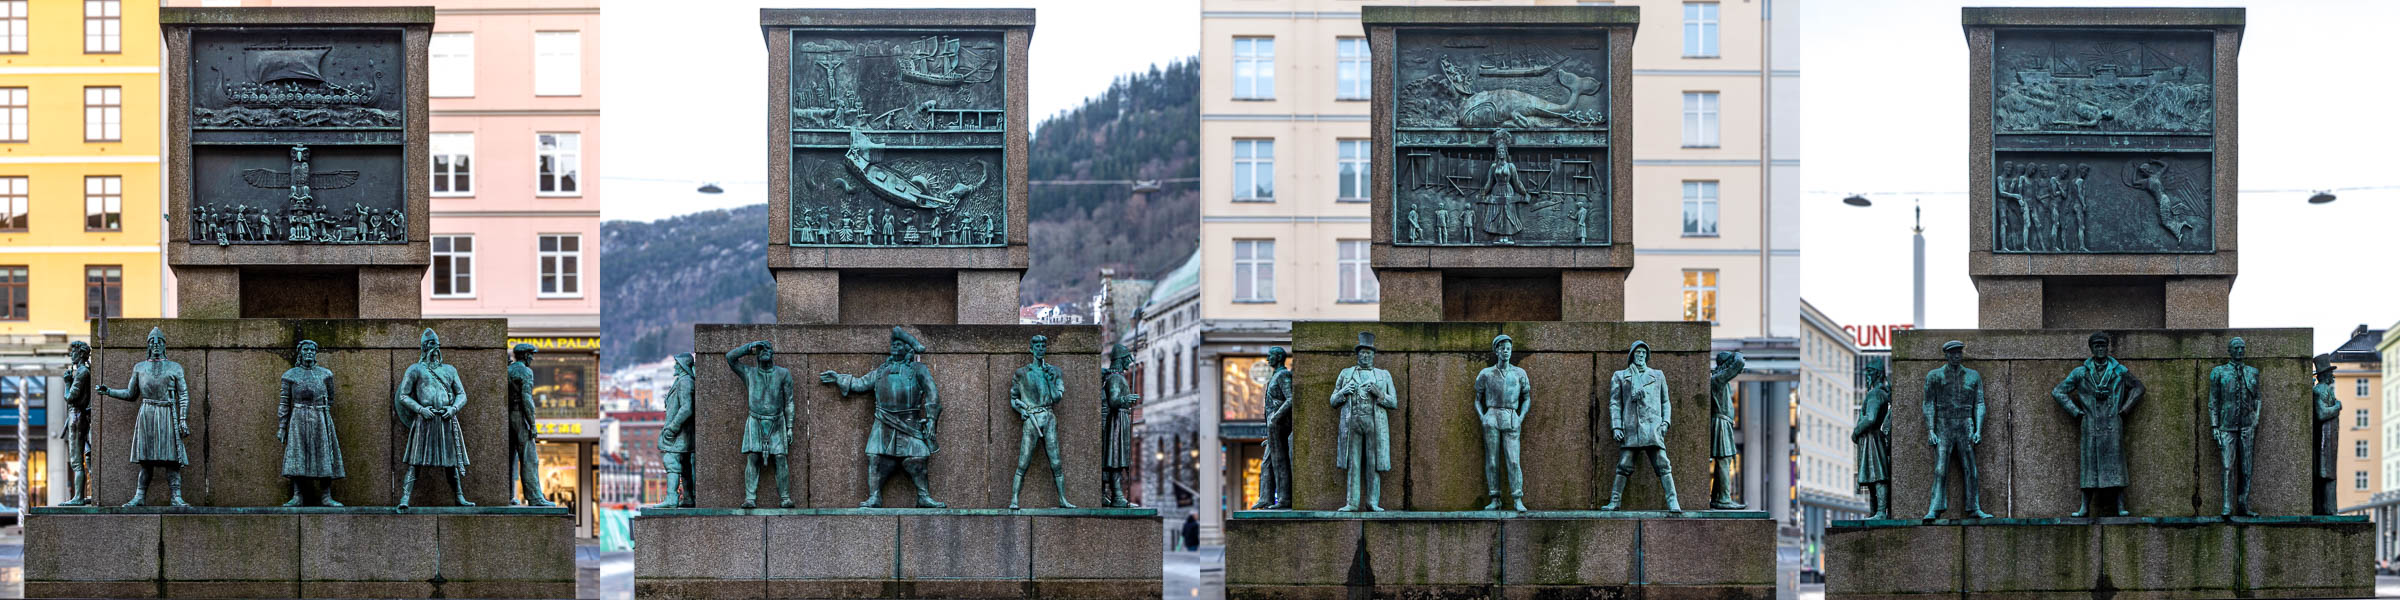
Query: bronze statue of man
point(675, 437)
point(428, 404)
point(158, 430)
point(767, 434)
point(523, 460)
point(1034, 391)
point(312, 453)
point(2098, 393)
point(1954, 413)
point(906, 410)
point(1873, 434)
point(2233, 421)
point(2328, 411)
point(1640, 410)
point(1503, 394)
point(1721, 421)
point(1364, 397)
point(78, 429)
point(1275, 463)
point(1116, 426)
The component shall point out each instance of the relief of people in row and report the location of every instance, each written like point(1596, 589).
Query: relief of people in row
point(852, 225)
point(1547, 201)
point(2056, 208)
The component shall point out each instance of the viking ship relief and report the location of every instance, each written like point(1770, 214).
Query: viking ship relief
point(896, 139)
point(287, 85)
point(1500, 140)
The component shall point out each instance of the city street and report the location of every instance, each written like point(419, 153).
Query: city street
point(602, 575)
point(1196, 575)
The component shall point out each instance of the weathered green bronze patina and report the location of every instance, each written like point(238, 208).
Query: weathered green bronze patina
point(2233, 421)
point(427, 405)
point(897, 138)
point(2103, 141)
point(1954, 413)
point(1275, 463)
point(1873, 434)
point(524, 464)
point(312, 451)
point(1639, 412)
point(767, 434)
point(1116, 425)
point(297, 137)
point(1501, 139)
point(1034, 391)
point(1721, 421)
point(1364, 397)
point(2099, 393)
point(1503, 397)
point(907, 409)
point(78, 426)
point(160, 387)
point(2328, 410)
point(675, 437)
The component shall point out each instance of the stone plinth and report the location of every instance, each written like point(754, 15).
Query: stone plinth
point(2149, 557)
point(2142, 259)
point(1094, 553)
point(276, 552)
point(831, 82)
point(1539, 554)
point(2028, 456)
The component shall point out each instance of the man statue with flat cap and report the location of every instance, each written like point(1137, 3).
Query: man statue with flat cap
point(1503, 394)
point(159, 386)
point(1034, 391)
point(1275, 465)
point(1954, 412)
point(675, 437)
point(1639, 411)
point(1117, 401)
point(1721, 421)
point(428, 404)
point(767, 433)
point(1364, 397)
point(523, 462)
point(2328, 410)
point(906, 410)
point(2233, 421)
point(2098, 393)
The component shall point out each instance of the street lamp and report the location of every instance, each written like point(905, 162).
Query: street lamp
point(2321, 197)
point(1857, 200)
point(711, 188)
point(1919, 244)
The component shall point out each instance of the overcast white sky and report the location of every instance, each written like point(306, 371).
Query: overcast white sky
point(686, 83)
point(1884, 108)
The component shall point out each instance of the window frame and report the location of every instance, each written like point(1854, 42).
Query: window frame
point(2363, 389)
point(434, 86)
point(576, 176)
point(1251, 165)
point(1708, 29)
point(452, 256)
point(2358, 480)
point(1251, 265)
point(574, 76)
point(103, 286)
point(111, 115)
point(1703, 114)
point(1362, 164)
point(541, 266)
point(1355, 272)
point(1704, 292)
point(2359, 449)
point(16, 115)
point(1363, 64)
point(16, 198)
point(16, 27)
point(105, 198)
point(16, 288)
point(434, 148)
point(1703, 196)
point(1253, 60)
point(113, 42)
point(2359, 419)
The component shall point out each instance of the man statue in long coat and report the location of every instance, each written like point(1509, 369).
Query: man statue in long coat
point(428, 404)
point(1639, 411)
point(2328, 410)
point(1116, 425)
point(1364, 397)
point(675, 437)
point(906, 410)
point(1721, 421)
point(1954, 411)
point(2233, 422)
point(312, 452)
point(2098, 393)
point(1873, 434)
point(767, 434)
point(1034, 392)
point(1503, 394)
point(78, 429)
point(158, 430)
point(523, 459)
point(1275, 464)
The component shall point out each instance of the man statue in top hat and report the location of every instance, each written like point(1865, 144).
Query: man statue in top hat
point(523, 460)
point(1503, 394)
point(2233, 421)
point(1364, 397)
point(1953, 426)
point(906, 409)
point(1639, 411)
point(2328, 410)
point(2098, 393)
point(158, 430)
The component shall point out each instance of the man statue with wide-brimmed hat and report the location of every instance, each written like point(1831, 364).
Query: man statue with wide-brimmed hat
point(523, 462)
point(1954, 412)
point(1364, 397)
point(1503, 394)
point(1639, 411)
point(158, 430)
point(906, 411)
point(428, 404)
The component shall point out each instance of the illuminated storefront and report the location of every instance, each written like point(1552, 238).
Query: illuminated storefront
point(567, 419)
point(24, 478)
point(1244, 428)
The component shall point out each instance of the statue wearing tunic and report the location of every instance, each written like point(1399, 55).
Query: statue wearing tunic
point(78, 429)
point(1721, 421)
point(1503, 395)
point(1640, 410)
point(675, 437)
point(165, 396)
point(767, 434)
point(428, 404)
point(1116, 426)
point(2098, 393)
point(1364, 397)
point(1873, 433)
point(312, 452)
point(1275, 463)
point(2233, 422)
point(906, 410)
point(1034, 392)
point(2328, 411)
point(524, 461)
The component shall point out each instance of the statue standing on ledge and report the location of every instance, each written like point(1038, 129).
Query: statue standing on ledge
point(1116, 426)
point(428, 404)
point(1639, 412)
point(78, 429)
point(906, 410)
point(767, 434)
point(2233, 421)
point(1721, 420)
point(1503, 394)
point(1364, 398)
point(523, 461)
point(158, 430)
point(675, 437)
point(1034, 392)
point(2328, 410)
point(1874, 437)
point(1954, 426)
point(1275, 466)
point(2098, 393)
point(312, 453)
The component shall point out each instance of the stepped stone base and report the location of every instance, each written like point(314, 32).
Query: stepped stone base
point(1094, 553)
point(1494, 554)
point(2120, 558)
point(275, 552)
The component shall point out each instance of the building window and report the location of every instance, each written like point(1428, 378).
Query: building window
point(1253, 68)
point(2359, 448)
point(1353, 171)
point(103, 114)
point(15, 293)
point(2359, 420)
point(1254, 170)
point(16, 115)
point(453, 266)
point(559, 158)
point(453, 164)
point(1254, 270)
point(2358, 480)
point(103, 27)
point(450, 65)
point(1245, 396)
point(1353, 71)
point(1699, 119)
point(15, 209)
point(1699, 30)
point(2362, 387)
point(103, 286)
point(103, 203)
point(1700, 295)
point(14, 29)
point(1700, 209)
point(1358, 279)
point(562, 266)
point(557, 63)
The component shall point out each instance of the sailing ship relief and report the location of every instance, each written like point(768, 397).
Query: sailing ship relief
point(897, 139)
